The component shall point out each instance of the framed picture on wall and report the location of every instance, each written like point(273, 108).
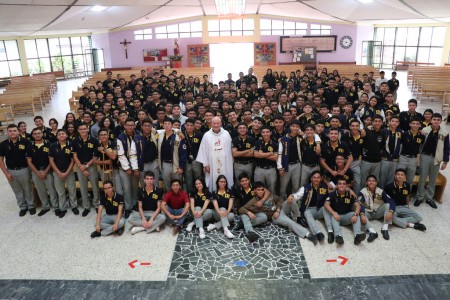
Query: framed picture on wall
point(198, 55)
point(265, 54)
point(155, 54)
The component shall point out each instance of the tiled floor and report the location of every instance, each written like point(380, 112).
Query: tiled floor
point(51, 258)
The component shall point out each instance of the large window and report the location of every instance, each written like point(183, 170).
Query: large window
point(144, 34)
point(320, 29)
point(233, 27)
point(72, 55)
point(9, 59)
point(277, 27)
point(413, 44)
point(181, 30)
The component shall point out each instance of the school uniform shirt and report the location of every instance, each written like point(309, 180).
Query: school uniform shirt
point(243, 196)
point(398, 193)
point(307, 120)
point(328, 153)
point(150, 199)
point(241, 145)
point(62, 155)
point(270, 147)
point(193, 145)
point(405, 117)
point(39, 154)
point(348, 176)
point(372, 146)
point(200, 198)
point(223, 199)
point(112, 204)
point(176, 200)
point(15, 152)
point(85, 149)
point(342, 204)
point(102, 156)
point(354, 143)
point(411, 143)
point(309, 155)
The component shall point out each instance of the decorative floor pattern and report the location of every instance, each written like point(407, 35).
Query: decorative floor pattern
point(276, 255)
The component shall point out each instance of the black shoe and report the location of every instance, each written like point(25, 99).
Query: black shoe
point(339, 240)
point(22, 212)
point(96, 210)
point(429, 202)
point(120, 231)
point(359, 238)
point(417, 203)
point(385, 234)
point(330, 237)
point(43, 212)
point(320, 237)
point(32, 211)
point(127, 214)
point(312, 238)
point(239, 226)
point(85, 212)
point(75, 211)
point(372, 237)
point(252, 236)
point(57, 212)
point(420, 226)
point(96, 234)
point(62, 214)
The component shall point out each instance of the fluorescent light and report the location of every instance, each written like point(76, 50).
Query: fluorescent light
point(98, 8)
point(365, 1)
point(230, 7)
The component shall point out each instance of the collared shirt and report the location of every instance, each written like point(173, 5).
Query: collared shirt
point(176, 200)
point(348, 176)
point(263, 147)
point(411, 143)
point(405, 118)
point(398, 193)
point(166, 153)
point(243, 196)
point(341, 204)
point(293, 150)
point(241, 145)
point(102, 156)
point(355, 144)
point(85, 149)
point(112, 204)
point(372, 146)
point(150, 149)
point(309, 155)
point(431, 143)
point(15, 152)
point(307, 120)
point(223, 199)
point(150, 200)
point(62, 155)
point(39, 154)
point(200, 198)
point(328, 152)
point(193, 145)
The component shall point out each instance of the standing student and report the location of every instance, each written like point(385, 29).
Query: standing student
point(84, 149)
point(39, 164)
point(242, 150)
point(435, 155)
point(310, 154)
point(371, 149)
point(150, 151)
point(390, 150)
point(193, 167)
point(266, 156)
point(112, 221)
point(106, 159)
point(149, 216)
point(13, 163)
point(61, 160)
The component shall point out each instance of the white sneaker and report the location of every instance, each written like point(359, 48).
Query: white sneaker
point(158, 229)
point(189, 227)
point(201, 233)
point(211, 227)
point(228, 233)
point(137, 229)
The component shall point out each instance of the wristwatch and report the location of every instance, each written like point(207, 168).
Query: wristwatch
point(355, 214)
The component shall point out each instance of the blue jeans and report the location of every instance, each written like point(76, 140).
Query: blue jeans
point(176, 212)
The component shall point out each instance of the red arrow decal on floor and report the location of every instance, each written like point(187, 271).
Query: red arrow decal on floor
point(344, 260)
point(131, 264)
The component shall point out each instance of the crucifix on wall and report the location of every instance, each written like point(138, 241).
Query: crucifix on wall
point(125, 45)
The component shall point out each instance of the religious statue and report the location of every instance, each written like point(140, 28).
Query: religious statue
point(176, 47)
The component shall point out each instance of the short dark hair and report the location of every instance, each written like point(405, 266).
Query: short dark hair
point(149, 173)
point(437, 115)
point(258, 185)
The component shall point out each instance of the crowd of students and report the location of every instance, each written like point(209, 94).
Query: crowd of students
point(332, 148)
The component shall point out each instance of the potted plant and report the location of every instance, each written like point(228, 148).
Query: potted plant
point(175, 61)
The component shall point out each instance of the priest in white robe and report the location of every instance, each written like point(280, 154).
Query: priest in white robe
point(215, 154)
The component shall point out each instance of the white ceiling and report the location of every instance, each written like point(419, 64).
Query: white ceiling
point(38, 17)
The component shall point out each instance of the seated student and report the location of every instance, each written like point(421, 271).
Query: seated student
point(201, 206)
point(149, 217)
point(312, 197)
point(113, 220)
point(258, 211)
point(245, 191)
point(338, 210)
point(399, 191)
point(375, 204)
point(172, 205)
point(223, 205)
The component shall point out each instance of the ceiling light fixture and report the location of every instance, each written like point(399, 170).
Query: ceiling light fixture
point(230, 7)
point(365, 1)
point(98, 8)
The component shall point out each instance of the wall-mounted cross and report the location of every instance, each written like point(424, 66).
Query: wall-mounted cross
point(125, 45)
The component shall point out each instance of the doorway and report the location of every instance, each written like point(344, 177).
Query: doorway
point(230, 58)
